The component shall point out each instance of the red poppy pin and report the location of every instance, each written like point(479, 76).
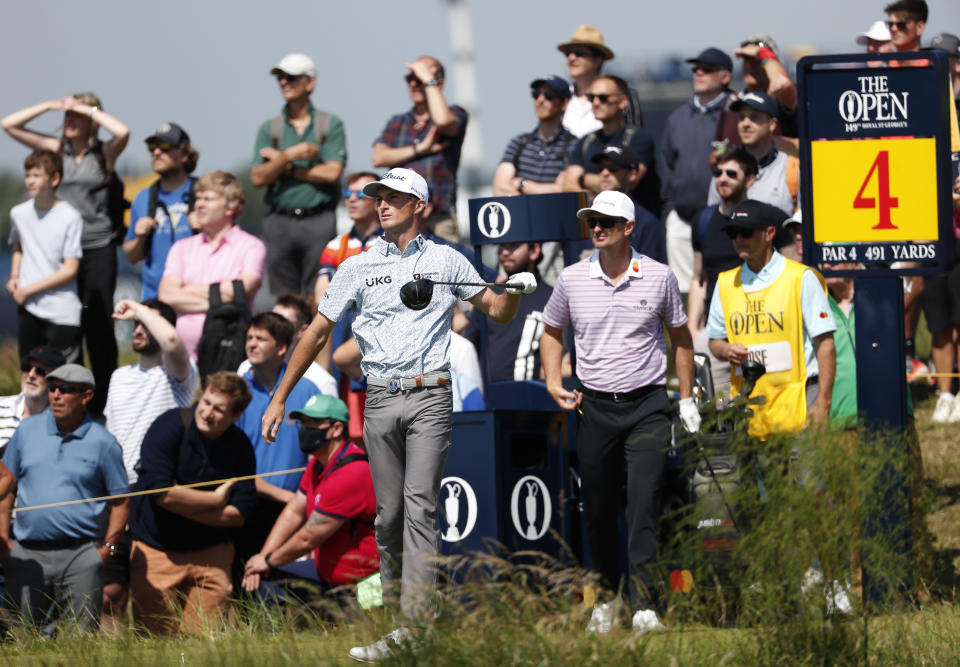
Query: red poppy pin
point(823, 316)
point(636, 266)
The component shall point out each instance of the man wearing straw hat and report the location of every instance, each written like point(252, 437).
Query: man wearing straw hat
point(58, 552)
point(182, 549)
point(585, 53)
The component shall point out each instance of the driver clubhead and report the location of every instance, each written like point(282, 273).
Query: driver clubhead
point(752, 371)
point(417, 294)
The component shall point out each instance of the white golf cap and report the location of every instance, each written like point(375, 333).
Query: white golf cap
point(402, 180)
point(612, 204)
point(878, 32)
point(795, 219)
point(295, 64)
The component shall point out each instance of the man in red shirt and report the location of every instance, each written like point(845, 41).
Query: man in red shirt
point(332, 512)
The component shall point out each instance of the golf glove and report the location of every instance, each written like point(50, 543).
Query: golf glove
point(689, 415)
point(528, 281)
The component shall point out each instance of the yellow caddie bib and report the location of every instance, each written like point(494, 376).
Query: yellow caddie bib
point(770, 324)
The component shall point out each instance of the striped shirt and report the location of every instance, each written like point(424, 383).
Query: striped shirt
point(137, 396)
point(340, 248)
point(11, 412)
point(617, 328)
point(394, 340)
point(539, 160)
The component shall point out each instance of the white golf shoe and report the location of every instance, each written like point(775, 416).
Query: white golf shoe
point(941, 413)
point(604, 616)
point(385, 647)
point(645, 620)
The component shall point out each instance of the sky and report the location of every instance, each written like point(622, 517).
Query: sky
point(205, 64)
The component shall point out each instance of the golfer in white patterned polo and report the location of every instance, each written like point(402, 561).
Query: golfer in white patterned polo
point(406, 358)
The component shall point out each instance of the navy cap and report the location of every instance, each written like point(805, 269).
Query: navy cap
point(753, 214)
point(758, 101)
point(555, 83)
point(622, 156)
point(171, 133)
point(715, 57)
point(46, 355)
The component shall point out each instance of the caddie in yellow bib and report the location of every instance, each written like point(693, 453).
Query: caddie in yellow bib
point(775, 311)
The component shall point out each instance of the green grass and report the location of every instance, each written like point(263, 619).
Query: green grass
point(530, 611)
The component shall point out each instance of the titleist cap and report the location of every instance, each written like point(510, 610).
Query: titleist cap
point(402, 180)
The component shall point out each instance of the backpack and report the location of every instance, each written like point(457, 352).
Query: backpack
point(321, 127)
point(344, 460)
point(117, 204)
point(703, 221)
point(222, 343)
point(153, 203)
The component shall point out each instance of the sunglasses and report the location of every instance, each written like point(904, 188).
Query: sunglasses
point(411, 78)
point(53, 388)
point(162, 145)
point(551, 95)
point(899, 25)
point(603, 98)
point(706, 69)
point(581, 52)
point(289, 78)
point(27, 367)
point(734, 232)
point(349, 193)
point(605, 223)
point(731, 173)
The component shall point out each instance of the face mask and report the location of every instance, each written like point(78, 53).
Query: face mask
point(311, 439)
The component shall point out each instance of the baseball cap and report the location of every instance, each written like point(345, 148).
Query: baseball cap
point(171, 133)
point(949, 44)
point(74, 374)
point(765, 40)
point(612, 204)
point(795, 219)
point(757, 100)
point(587, 35)
point(715, 57)
point(323, 406)
point(295, 64)
point(401, 180)
point(878, 32)
point(622, 156)
point(555, 83)
point(753, 214)
point(46, 355)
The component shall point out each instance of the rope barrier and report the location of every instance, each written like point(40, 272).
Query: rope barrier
point(148, 492)
point(936, 375)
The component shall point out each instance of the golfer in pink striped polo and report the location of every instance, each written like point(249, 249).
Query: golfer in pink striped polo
point(618, 302)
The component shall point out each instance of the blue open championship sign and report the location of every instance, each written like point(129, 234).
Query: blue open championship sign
point(876, 168)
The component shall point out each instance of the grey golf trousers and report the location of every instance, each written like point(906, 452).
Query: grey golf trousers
point(407, 435)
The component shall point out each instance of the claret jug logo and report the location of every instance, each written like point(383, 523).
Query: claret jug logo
point(873, 105)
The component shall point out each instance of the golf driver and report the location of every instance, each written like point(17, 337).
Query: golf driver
point(416, 294)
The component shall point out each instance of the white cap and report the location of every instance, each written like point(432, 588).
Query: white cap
point(402, 180)
point(796, 218)
point(878, 32)
point(612, 204)
point(295, 64)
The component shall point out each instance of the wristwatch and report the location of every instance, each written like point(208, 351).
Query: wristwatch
point(521, 184)
point(111, 549)
point(432, 82)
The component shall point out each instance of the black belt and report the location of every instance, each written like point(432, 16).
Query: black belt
point(302, 212)
point(50, 545)
point(813, 379)
point(620, 396)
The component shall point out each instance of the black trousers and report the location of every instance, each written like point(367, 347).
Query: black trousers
point(96, 282)
point(33, 331)
point(617, 442)
point(294, 246)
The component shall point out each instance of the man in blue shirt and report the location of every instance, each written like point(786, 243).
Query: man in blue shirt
point(152, 232)
point(58, 553)
point(269, 335)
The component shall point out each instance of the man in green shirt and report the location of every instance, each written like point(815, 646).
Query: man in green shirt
point(299, 156)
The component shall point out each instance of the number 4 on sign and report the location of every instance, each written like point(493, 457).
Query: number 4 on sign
point(881, 165)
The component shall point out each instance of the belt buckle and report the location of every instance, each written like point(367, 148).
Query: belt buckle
point(617, 397)
point(393, 386)
point(298, 212)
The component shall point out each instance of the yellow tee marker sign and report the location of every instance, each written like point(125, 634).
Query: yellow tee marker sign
point(874, 190)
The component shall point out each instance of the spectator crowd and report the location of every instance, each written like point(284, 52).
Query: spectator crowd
point(710, 204)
